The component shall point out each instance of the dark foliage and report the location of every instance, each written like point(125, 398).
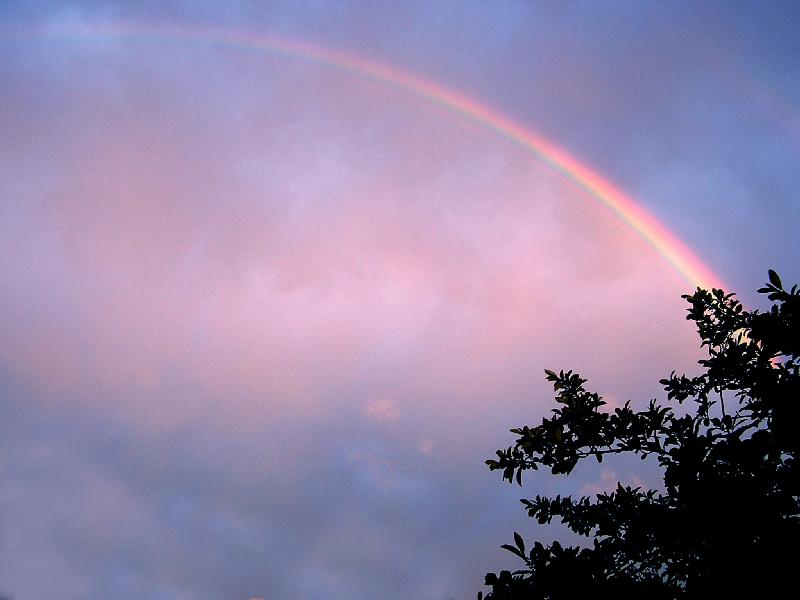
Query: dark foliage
point(727, 523)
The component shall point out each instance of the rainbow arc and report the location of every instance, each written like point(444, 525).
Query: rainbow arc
point(649, 229)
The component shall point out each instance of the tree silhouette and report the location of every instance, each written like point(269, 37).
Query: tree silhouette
point(727, 521)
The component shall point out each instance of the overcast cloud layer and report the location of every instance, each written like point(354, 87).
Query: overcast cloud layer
point(261, 320)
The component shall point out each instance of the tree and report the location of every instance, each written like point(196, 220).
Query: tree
point(727, 521)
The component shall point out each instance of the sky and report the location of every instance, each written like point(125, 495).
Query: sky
point(264, 313)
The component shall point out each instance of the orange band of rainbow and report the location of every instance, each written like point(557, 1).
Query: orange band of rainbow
point(685, 262)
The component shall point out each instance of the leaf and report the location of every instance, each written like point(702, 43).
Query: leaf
point(774, 279)
point(520, 543)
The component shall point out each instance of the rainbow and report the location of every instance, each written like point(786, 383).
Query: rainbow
point(675, 252)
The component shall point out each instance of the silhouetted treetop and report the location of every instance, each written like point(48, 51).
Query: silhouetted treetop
point(727, 522)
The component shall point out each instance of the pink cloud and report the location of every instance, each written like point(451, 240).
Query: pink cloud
point(382, 410)
point(261, 269)
point(264, 316)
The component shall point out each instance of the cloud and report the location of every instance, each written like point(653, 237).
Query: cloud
point(382, 410)
point(263, 321)
point(426, 446)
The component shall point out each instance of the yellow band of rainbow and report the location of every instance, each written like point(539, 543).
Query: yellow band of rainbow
point(676, 253)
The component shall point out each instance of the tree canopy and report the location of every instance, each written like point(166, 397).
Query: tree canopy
point(726, 521)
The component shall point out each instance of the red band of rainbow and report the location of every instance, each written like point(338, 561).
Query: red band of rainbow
point(677, 254)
